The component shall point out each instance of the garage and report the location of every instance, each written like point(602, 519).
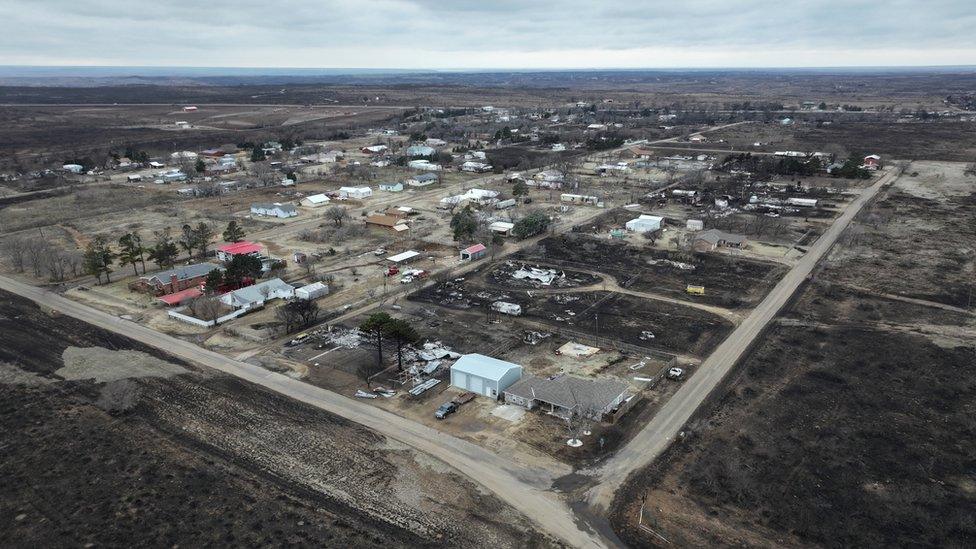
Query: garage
point(484, 375)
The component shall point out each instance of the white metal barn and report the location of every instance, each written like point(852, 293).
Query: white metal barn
point(484, 375)
point(645, 224)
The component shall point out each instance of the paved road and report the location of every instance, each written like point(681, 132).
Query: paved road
point(524, 488)
point(668, 422)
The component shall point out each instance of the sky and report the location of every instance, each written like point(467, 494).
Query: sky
point(466, 34)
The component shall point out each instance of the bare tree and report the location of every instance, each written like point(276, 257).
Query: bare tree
point(265, 174)
point(206, 307)
point(15, 248)
point(37, 251)
point(337, 214)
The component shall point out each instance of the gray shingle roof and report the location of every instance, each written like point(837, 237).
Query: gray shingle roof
point(568, 391)
point(183, 273)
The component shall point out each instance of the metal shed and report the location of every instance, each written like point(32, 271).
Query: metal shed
point(484, 375)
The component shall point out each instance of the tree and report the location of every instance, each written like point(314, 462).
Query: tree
point(200, 167)
point(233, 232)
point(534, 223)
point(520, 189)
point(206, 307)
point(201, 237)
point(131, 251)
point(164, 251)
point(242, 266)
point(257, 155)
point(464, 224)
point(98, 258)
point(375, 328)
point(297, 314)
point(15, 249)
point(337, 214)
point(215, 279)
point(188, 240)
point(402, 333)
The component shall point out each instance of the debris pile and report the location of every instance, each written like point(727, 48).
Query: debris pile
point(534, 338)
point(672, 263)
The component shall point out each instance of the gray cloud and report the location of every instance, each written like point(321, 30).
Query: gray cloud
point(466, 33)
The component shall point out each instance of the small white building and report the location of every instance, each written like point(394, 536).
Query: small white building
point(484, 375)
point(503, 228)
point(391, 187)
point(277, 209)
point(315, 200)
point(423, 165)
point(355, 192)
point(645, 224)
point(312, 291)
point(695, 225)
point(802, 202)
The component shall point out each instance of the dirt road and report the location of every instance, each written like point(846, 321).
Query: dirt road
point(670, 419)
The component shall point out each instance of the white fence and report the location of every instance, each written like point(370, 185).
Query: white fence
point(175, 313)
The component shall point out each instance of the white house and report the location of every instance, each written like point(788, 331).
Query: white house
point(423, 165)
point(355, 192)
point(503, 228)
point(277, 209)
point(73, 168)
point(645, 224)
point(256, 295)
point(484, 375)
point(391, 187)
point(315, 200)
point(476, 167)
point(422, 180)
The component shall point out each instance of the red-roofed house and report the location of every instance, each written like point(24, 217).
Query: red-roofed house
point(473, 252)
point(228, 251)
point(872, 162)
point(178, 298)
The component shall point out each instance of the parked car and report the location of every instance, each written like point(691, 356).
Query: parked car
point(445, 410)
point(676, 374)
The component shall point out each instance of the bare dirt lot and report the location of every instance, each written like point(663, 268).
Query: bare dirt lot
point(196, 458)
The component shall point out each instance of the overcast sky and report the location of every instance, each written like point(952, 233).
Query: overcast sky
point(440, 34)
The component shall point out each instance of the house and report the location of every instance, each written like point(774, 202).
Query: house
point(419, 150)
point(133, 178)
point(711, 239)
point(329, 157)
point(503, 228)
point(374, 149)
point(401, 212)
point(562, 394)
point(644, 224)
point(217, 170)
point(186, 155)
point(277, 209)
point(227, 252)
point(549, 176)
point(475, 155)
point(872, 162)
point(312, 291)
point(154, 165)
point(189, 108)
point(434, 142)
point(383, 221)
point(391, 187)
point(315, 200)
point(480, 196)
point(355, 192)
point(423, 180)
point(423, 165)
point(472, 253)
point(212, 153)
point(250, 297)
point(484, 375)
point(476, 167)
point(173, 175)
point(505, 204)
point(579, 199)
point(695, 225)
point(175, 279)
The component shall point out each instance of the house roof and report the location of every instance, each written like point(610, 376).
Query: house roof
point(244, 247)
point(254, 294)
point(317, 198)
point(382, 220)
point(474, 249)
point(484, 366)
point(419, 150)
point(179, 297)
point(569, 391)
point(182, 273)
point(425, 177)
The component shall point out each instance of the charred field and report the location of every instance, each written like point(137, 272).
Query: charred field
point(202, 459)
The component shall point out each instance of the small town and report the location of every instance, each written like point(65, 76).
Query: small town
point(529, 308)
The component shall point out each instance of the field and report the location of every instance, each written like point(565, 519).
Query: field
point(189, 457)
point(860, 438)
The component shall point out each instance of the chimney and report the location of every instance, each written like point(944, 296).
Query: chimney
point(174, 282)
